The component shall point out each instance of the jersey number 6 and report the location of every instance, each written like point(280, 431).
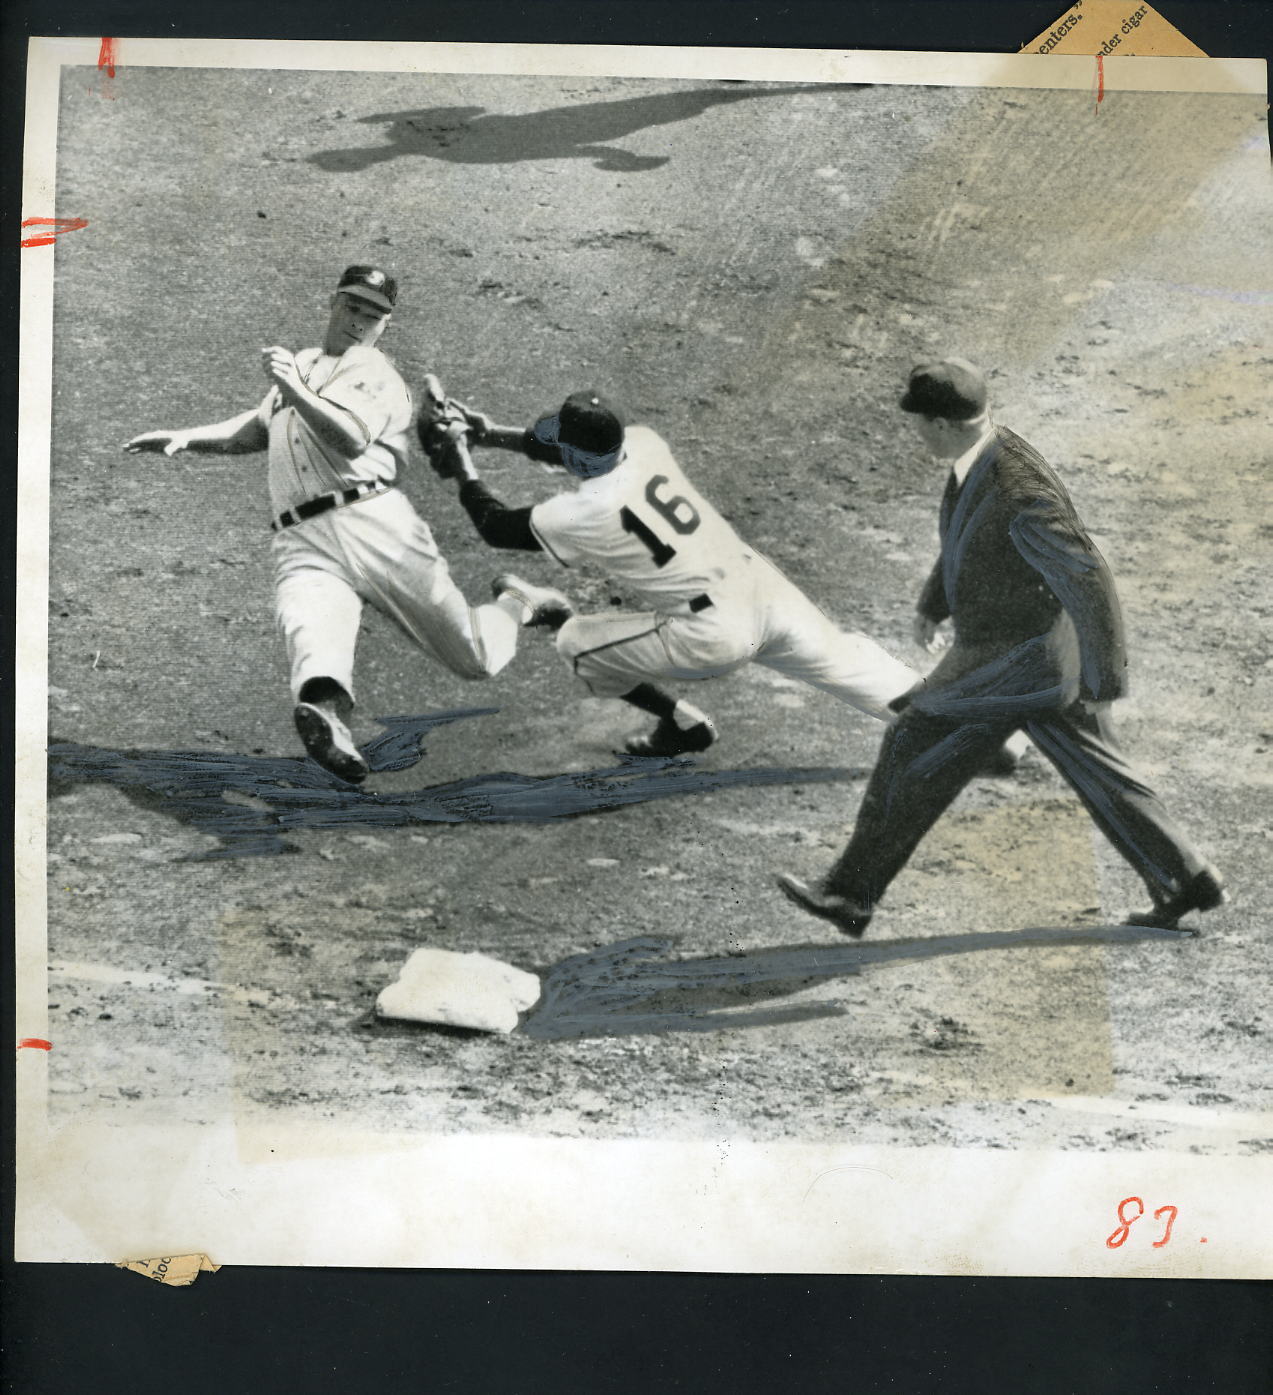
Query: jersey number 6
point(677, 511)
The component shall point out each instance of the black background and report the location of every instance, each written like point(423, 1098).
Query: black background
point(94, 1328)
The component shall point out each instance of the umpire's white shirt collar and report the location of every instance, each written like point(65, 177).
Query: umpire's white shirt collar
point(965, 462)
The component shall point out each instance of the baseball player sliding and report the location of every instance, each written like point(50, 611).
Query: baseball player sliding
point(710, 603)
point(335, 422)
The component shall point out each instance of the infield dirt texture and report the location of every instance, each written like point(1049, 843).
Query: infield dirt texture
point(751, 270)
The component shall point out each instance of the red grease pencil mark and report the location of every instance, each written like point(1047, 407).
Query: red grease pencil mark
point(37, 1043)
point(58, 226)
point(1119, 1237)
point(106, 57)
point(1126, 1222)
point(1100, 82)
point(1171, 1220)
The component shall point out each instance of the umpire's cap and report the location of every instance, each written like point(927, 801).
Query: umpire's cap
point(950, 387)
point(370, 283)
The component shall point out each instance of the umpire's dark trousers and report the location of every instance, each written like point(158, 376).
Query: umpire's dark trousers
point(926, 760)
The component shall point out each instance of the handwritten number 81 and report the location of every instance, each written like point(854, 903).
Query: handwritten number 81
point(1127, 1220)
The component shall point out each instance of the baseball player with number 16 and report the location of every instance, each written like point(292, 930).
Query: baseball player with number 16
point(709, 603)
point(335, 421)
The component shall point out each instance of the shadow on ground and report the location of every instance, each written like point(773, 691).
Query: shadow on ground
point(473, 136)
point(626, 989)
point(249, 802)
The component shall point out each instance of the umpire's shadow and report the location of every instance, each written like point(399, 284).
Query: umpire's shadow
point(627, 989)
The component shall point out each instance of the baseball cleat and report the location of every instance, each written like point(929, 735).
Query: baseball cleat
point(328, 742)
point(667, 739)
point(846, 915)
point(547, 607)
point(1202, 892)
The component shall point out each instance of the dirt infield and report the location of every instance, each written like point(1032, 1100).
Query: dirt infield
point(751, 270)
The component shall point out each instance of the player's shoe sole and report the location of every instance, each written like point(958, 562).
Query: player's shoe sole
point(548, 607)
point(847, 916)
point(328, 743)
point(667, 739)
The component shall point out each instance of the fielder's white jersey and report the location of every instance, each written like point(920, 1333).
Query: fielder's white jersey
point(363, 382)
point(644, 525)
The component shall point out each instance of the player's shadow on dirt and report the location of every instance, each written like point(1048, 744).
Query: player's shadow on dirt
point(473, 136)
point(248, 803)
point(627, 989)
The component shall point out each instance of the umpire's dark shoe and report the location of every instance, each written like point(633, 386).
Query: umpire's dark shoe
point(1202, 893)
point(667, 739)
point(843, 913)
point(329, 743)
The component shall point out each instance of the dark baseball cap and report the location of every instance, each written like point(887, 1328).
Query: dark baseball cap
point(370, 283)
point(949, 387)
point(590, 422)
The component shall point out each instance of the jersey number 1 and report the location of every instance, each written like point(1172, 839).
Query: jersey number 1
point(678, 511)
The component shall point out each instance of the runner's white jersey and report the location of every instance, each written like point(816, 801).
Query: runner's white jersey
point(362, 381)
point(644, 525)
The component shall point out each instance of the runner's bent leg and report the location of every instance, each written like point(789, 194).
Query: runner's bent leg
point(403, 575)
point(803, 643)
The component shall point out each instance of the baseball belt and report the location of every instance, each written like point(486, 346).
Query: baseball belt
point(700, 603)
point(311, 508)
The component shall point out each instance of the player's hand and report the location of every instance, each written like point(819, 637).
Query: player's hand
point(280, 368)
point(929, 635)
point(478, 422)
point(169, 442)
point(455, 430)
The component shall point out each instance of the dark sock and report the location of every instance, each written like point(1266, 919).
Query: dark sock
point(326, 692)
point(652, 700)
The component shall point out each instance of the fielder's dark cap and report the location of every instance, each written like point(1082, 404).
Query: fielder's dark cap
point(590, 422)
point(950, 387)
point(370, 283)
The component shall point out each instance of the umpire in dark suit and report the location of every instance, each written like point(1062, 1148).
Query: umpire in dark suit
point(1038, 646)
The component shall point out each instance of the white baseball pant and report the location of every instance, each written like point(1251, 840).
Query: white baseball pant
point(760, 617)
point(378, 551)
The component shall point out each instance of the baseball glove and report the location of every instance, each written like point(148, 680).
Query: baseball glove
point(442, 427)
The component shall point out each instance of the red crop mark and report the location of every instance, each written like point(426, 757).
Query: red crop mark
point(56, 226)
point(1100, 81)
point(106, 57)
point(36, 1043)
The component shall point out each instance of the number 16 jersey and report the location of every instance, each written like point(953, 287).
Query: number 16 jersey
point(646, 526)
